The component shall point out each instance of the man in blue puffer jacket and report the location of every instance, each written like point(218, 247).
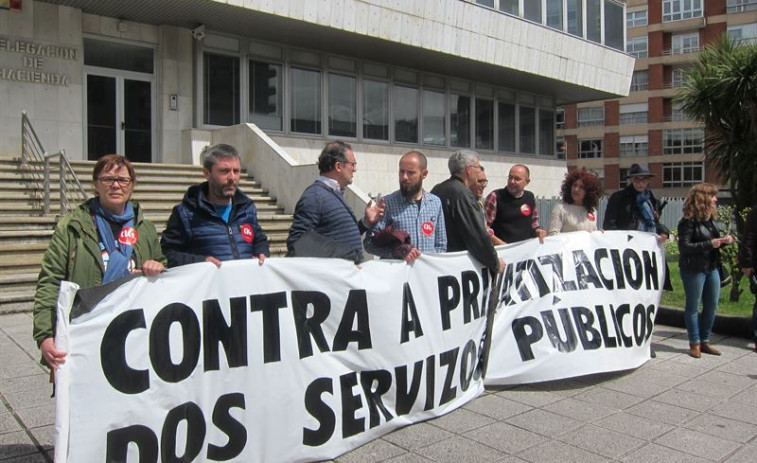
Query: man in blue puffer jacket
point(215, 221)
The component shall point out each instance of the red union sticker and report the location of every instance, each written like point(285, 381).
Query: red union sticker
point(525, 210)
point(247, 233)
point(591, 217)
point(427, 228)
point(128, 236)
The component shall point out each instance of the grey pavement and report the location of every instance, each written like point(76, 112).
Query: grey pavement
point(674, 408)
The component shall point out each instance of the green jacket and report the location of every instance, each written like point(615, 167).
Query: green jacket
point(74, 255)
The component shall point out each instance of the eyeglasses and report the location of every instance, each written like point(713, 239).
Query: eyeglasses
point(482, 182)
point(109, 181)
point(352, 164)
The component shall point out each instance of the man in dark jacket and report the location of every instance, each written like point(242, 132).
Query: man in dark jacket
point(748, 261)
point(462, 214)
point(636, 208)
point(215, 221)
point(323, 224)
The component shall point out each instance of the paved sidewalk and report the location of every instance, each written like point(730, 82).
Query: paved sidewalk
point(672, 409)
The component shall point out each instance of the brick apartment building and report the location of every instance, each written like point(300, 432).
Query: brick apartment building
point(648, 126)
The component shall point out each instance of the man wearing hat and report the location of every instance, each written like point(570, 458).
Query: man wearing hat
point(636, 208)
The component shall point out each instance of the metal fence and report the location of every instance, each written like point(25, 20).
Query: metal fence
point(671, 213)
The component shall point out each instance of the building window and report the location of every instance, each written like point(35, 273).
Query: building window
point(265, 96)
point(590, 149)
point(405, 114)
point(678, 114)
point(527, 129)
point(738, 6)
point(575, 18)
point(614, 32)
point(554, 14)
point(591, 117)
point(510, 6)
point(434, 118)
point(683, 141)
point(560, 119)
point(636, 18)
point(635, 145)
point(375, 110)
point(623, 176)
point(677, 77)
point(484, 124)
point(506, 129)
point(682, 174)
point(487, 3)
point(745, 34)
point(221, 89)
point(640, 81)
point(685, 43)
point(546, 132)
point(532, 11)
point(459, 120)
point(342, 106)
point(305, 102)
point(676, 10)
point(560, 148)
point(634, 113)
point(637, 47)
point(594, 20)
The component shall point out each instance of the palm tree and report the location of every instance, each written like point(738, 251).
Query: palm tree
point(721, 91)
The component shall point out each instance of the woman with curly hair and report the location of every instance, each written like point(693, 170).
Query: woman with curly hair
point(580, 191)
point(699, 256)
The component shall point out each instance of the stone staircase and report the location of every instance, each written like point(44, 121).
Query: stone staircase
point(25, 231)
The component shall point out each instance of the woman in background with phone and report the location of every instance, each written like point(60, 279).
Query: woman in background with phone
point(699, 245)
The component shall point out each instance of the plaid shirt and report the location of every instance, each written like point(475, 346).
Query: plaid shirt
point(424, 223)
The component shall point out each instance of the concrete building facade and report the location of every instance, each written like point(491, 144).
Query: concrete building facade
point(152, 79)
point(648, 126)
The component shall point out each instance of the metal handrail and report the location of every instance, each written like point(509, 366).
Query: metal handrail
point(33, 154)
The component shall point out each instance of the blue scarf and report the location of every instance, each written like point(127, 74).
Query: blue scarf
point(119, 253)
point(647, 222)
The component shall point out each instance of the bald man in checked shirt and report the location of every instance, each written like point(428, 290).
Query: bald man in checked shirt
point(412, 210)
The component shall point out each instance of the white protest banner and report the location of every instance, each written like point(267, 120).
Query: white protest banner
point(580, 303)
point(295, 360)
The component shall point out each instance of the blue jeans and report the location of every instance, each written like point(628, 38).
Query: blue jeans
point(701, 287)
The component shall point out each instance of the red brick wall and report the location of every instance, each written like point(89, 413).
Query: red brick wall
point(656, 76)
point(571, 147)
point(612, 145)
point(655, 43)
point(656, 109)
point(656, 181)
point(655, 142)
point(654, 11)
point(712, 33)
point(713, 7)
point(667, 107)
point(612, 177)
point(612, 113)
point(571, 114)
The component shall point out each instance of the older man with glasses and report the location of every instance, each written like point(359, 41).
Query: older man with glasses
point(466, 231)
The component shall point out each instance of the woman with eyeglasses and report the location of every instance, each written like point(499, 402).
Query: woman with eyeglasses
point(104, 239)
point(699, 243)
point(580, 191)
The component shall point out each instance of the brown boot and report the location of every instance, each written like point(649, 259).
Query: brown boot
point(694, 350)
point(708, 349)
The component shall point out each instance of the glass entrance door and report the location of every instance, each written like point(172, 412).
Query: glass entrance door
point(119, 117)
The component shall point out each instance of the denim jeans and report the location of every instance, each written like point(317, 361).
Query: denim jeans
point(701, 287)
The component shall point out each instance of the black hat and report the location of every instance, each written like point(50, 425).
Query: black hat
point(639, 171)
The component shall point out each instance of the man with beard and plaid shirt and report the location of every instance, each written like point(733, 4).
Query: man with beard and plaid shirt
point(413, 221)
